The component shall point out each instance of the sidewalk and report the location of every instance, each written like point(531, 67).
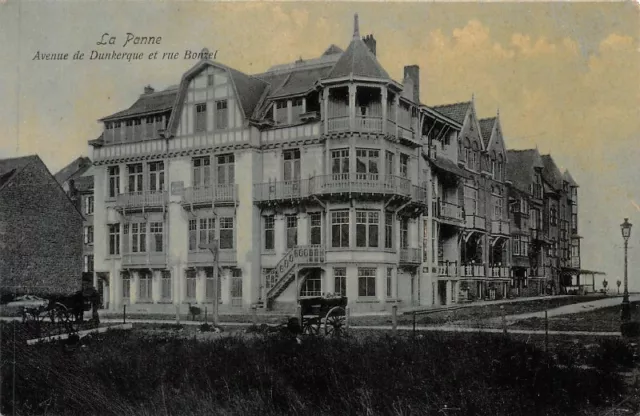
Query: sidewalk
point(454, 306)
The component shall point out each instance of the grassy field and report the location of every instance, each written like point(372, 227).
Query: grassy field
point(136, 373)
point(605, 319)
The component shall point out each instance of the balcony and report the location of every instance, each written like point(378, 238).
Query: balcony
point(369, 124)
point(142, 200)
point(500, 227)
point(364, 183)
point(499, 271)
point(205, 258)
point(474, 221)
point(448, 268)
point(410, 256)
point(450, 212)
point(144, 260)
point(472, 270)
point(419, 195)
point(280, 191)
point(210, 195)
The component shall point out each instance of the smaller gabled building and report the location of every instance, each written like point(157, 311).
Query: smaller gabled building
point(40, 231)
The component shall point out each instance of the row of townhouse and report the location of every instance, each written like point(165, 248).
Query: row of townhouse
point(319, 176)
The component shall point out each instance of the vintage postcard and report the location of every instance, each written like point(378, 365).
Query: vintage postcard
point(390, 208)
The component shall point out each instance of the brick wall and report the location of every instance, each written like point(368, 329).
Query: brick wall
point(43, 235)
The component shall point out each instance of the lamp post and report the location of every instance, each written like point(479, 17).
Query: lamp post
point(625, 314)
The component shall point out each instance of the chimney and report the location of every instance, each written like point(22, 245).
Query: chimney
point(149, 89)
point(413, 73)
point(370, 41)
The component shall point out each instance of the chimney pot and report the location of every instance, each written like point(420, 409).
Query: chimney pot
point(370, 41)
point(148, 89)
point(413, 72)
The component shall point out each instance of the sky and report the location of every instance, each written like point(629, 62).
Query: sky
point(563, 76)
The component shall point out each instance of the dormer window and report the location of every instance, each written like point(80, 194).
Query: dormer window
point(280, 112)
point(108, 126)
point(129, 123)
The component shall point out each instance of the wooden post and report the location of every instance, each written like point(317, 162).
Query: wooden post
point(124, 314)
point(394, 319)
point(254, 314)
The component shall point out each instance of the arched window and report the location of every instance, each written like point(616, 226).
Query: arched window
point(500, 166)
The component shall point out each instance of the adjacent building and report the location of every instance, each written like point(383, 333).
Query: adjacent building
point(318, 176)
point(40, 231)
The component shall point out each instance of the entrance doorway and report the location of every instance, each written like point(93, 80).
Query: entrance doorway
point(442, 293)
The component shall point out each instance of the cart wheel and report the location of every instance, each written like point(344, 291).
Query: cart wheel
point(334, 322)
point(65, 321)
point(310, 326)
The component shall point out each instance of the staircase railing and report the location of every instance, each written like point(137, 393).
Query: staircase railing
point(278, 278)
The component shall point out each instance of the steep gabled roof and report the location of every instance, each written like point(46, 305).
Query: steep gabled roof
point(486, 128)
point(332, 50)
point(550, 172)
point(73, 169)
point(11, 166)
point(155, 102)
point(456, 111)
point(358, 60)
point(294, 82)
point(520, 167)
point(567, 177)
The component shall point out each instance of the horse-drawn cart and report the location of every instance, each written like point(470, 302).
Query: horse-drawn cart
point(324, 315)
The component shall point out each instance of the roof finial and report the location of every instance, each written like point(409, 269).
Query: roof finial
point(498, 111)
point(356, 26)
point(473, 97)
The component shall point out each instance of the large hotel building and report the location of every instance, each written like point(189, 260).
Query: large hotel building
point(321, 176)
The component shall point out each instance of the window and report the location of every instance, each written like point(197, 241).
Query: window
point(88, 263)
point(388, 163)
point(156, 176)
point(236, 287)
point(226, 232)
point(138, 237)
point(404, 165)
point(222, 115)
point(516, 245)
point(201, 118)
point(207, 231)
point(135, 178)
point(156, 237)
point(470, 200)
point(114, 181)
point(340, 281)
point(537, 187)
point(312, 285)
point(88, 234)
point(366, 281)
point(193, 235)
point(88, 205)
point(497, 208)
point(340, 229)
point(201, 168)
point(226, 170)
point(340, 163)
point(292, 231)
point(291, 168)
point(209, 80)
point(166, 285)
point(367, 164)
point(315, 225)
point(389, 281)
point(404, 233)
point(114, 239)
point(553, 215)
point(126, 285)
point(269, 230)
point(144, 285)
point(388, 230)
point(210, 285)
point(367, 223)
point(191, 284)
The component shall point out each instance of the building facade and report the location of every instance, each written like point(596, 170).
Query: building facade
point(319, 176)
point(40, 231)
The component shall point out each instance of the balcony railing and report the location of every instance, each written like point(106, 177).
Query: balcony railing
point(210, 194)
point(139, 199)
point(448, 268)
point(143, 259)
point(405, 132)
point(575, 262)
point(338, 124)
point(410, 256)
point(499, 227)
point(474, 221)
point(499, 271)
point(369, 124)
point(205, 258)
point(273, 191)
point(360, 183)
point(472, 270)
point(419, 194)
point(450, 211)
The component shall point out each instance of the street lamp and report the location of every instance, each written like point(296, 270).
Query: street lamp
point(626, 233)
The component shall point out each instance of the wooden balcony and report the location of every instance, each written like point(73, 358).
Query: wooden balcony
point(500, 227)
point(142, 200)
point(156, 260)
point(369, 124)
point(210, 195)
point(499, 271)
point(472, 270)
point(339, 124)
point(476, 222)
point(410, 256)
point(360, 183)
point(281, 191)
point(419, 195)
point(448, 211)
point(448, 268)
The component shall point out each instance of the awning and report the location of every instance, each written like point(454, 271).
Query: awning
point(448, 166)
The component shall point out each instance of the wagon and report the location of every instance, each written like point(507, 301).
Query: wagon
point(324, 315)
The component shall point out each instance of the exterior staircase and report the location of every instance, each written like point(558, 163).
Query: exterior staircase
point(299, 257)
